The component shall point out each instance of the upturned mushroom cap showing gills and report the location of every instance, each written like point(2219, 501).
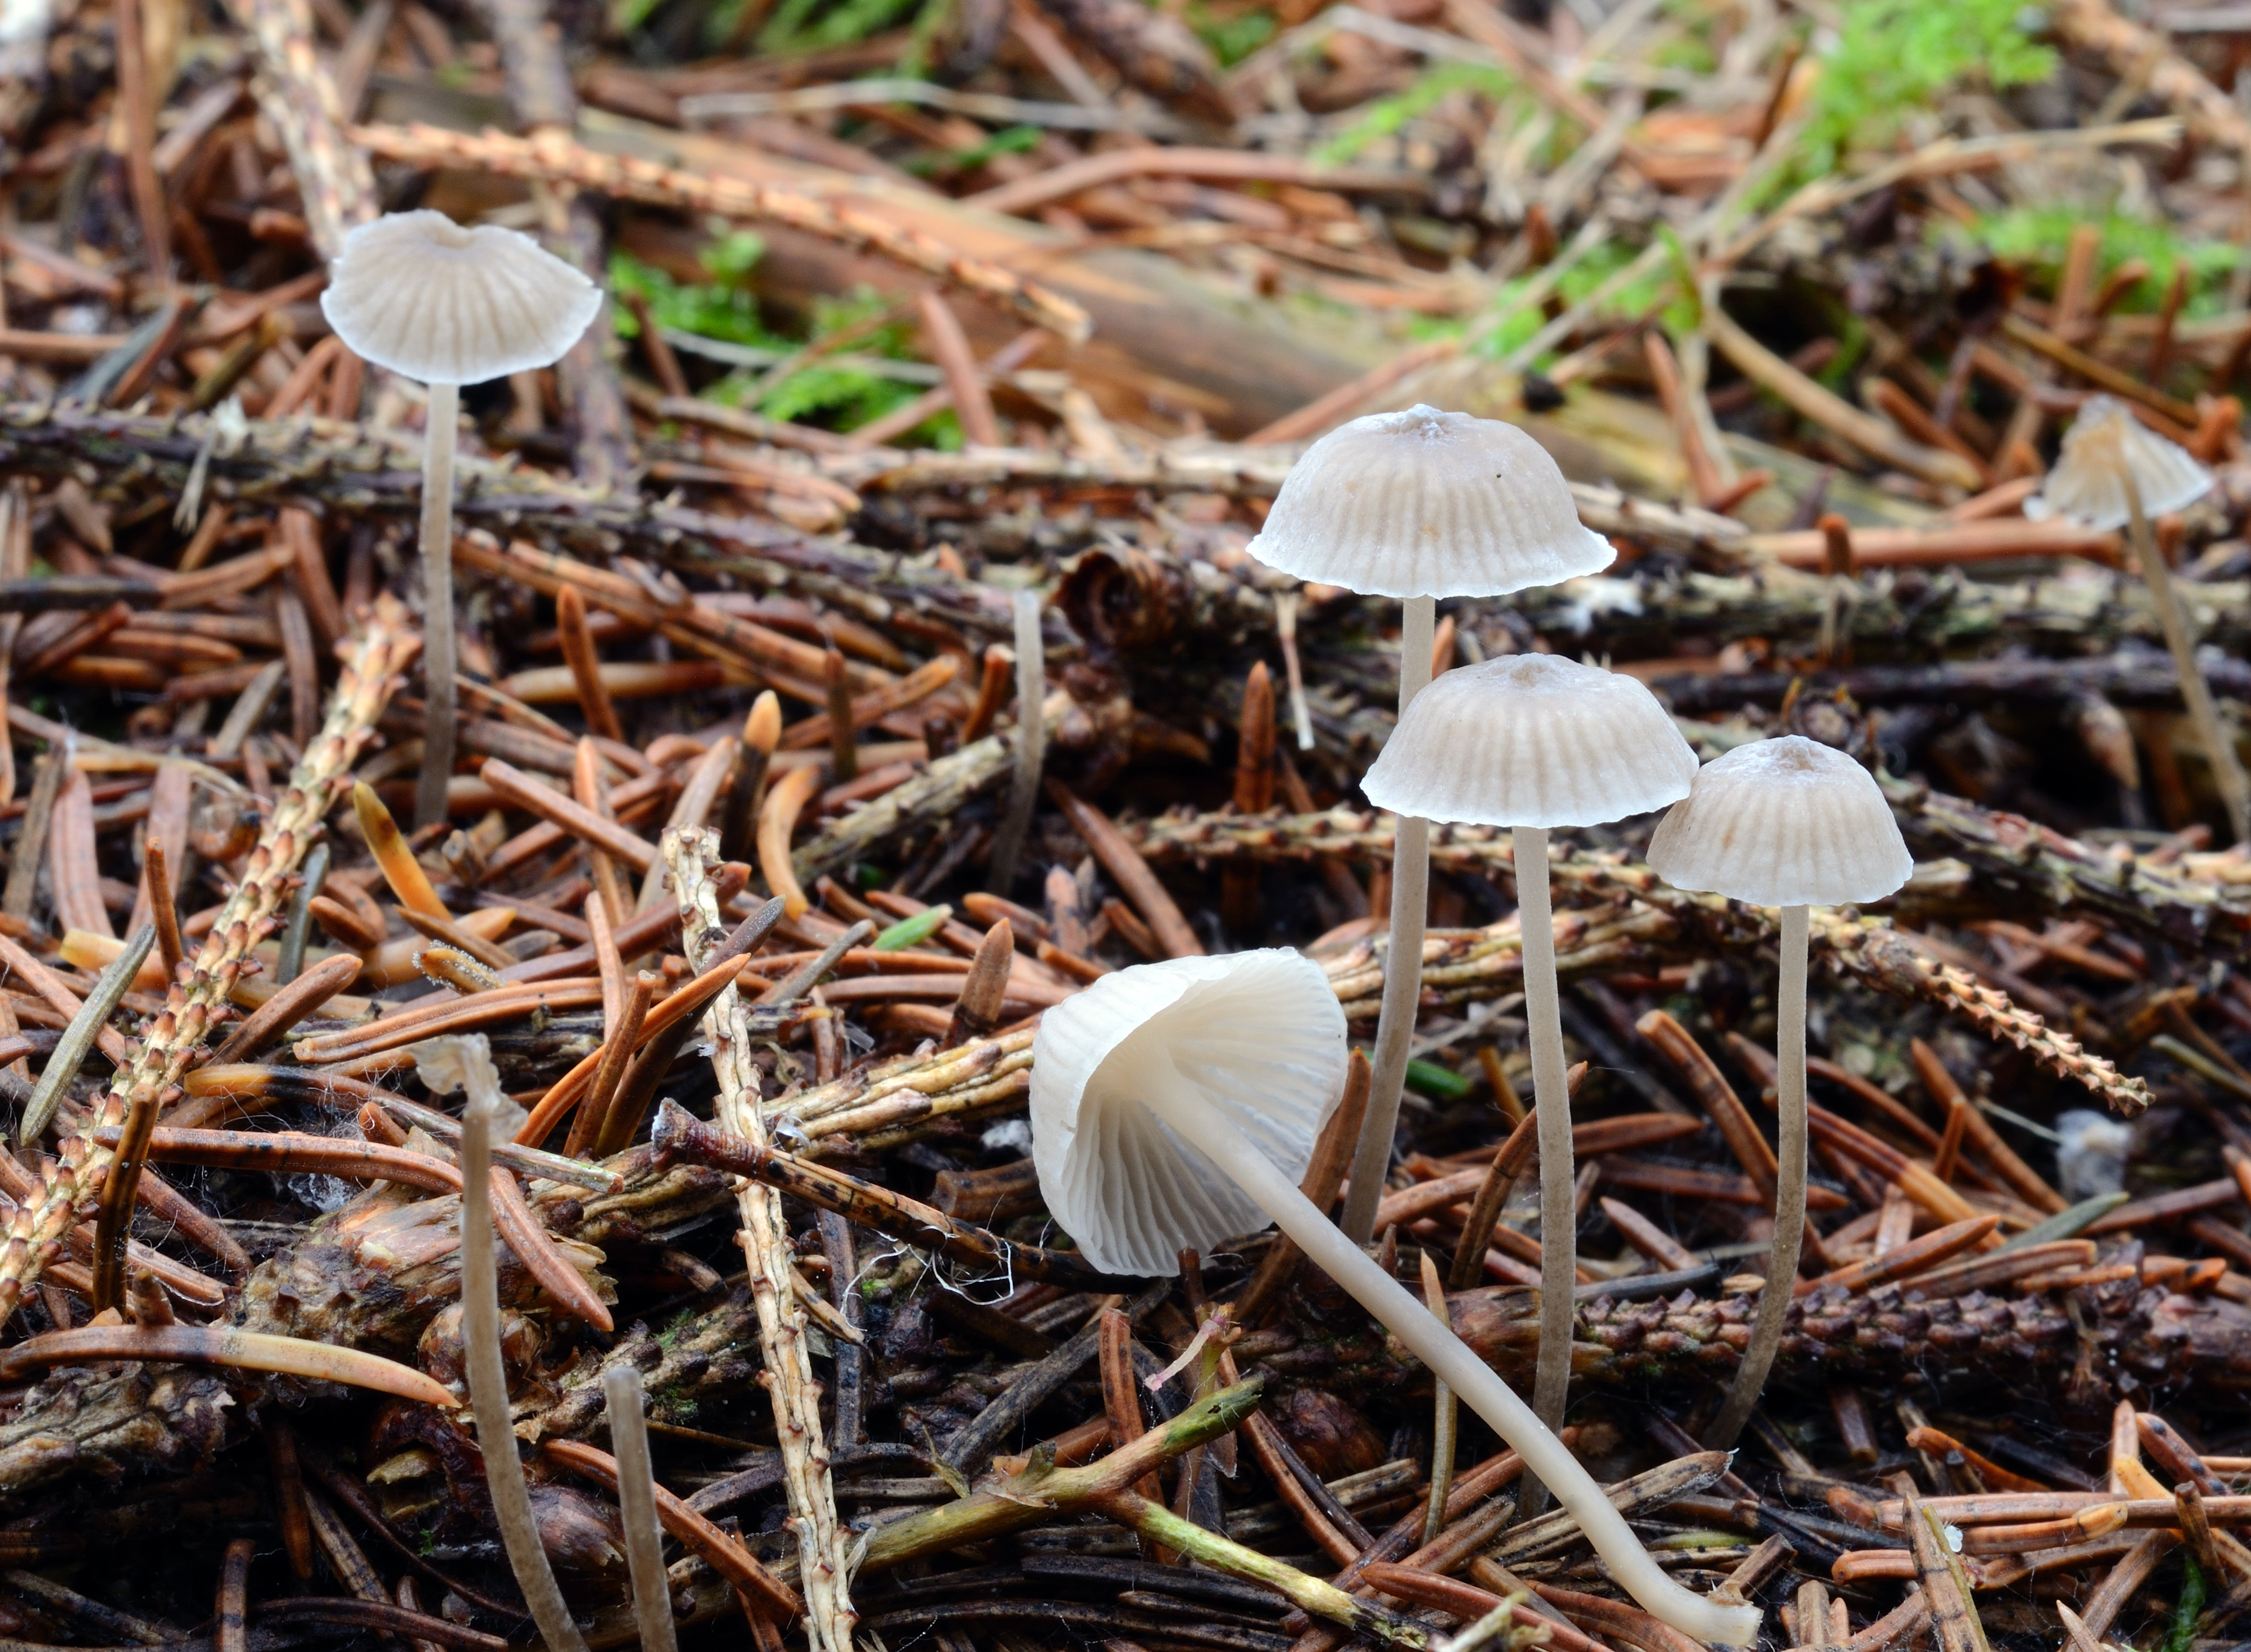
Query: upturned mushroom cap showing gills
point(1532, 739)
point(2103, 441)
point(1784, 823)
point(1429, 503)
point(1258, 1035)
point(421, 295)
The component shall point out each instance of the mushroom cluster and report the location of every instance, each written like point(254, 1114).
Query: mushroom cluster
point(1176, 1104)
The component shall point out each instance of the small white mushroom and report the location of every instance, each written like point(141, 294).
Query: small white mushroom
point(2114, 472)
point(1418, 505)
point(2105, 448)
point(425, 298)
point(1792, 823)
point(1533, 741)
point(1175, 1104)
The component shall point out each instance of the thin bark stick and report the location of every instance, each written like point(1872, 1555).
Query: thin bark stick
point(822, 1572)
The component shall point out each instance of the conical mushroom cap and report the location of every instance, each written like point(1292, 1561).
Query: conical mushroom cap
point(1532, 739)
point(1257, 1034)
point(1784, 823)
point(419, 294)
point(2105, 440)
point(1429, 503)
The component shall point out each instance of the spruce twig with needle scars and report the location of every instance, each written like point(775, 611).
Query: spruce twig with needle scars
point(823, 1575)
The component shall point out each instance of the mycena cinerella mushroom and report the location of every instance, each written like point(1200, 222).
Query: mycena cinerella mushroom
point(424, 297)
point(2114, 472)
point(1794, 824)
point(1533, 741)
point(1175, 1104)
point(1418, 505)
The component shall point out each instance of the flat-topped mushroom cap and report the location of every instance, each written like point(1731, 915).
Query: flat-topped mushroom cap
point(1784, 823)
point(2103, 442)
point(1532, 739)
point(1429, 503)
point(1257, 1034)
point(421, 295)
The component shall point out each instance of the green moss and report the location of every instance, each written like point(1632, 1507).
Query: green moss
point(1894, 56)
point(1385, 116)
point(807, 25)
point(2036, 237)
point(839, 396)
point(1232, 37)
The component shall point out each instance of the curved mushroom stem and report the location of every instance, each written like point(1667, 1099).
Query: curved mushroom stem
point(438, 651)
point(621, 1397)
point(1450, 1361)
point(1551, 1103)
point(511, 1500)
point(1790, 1188)
point(1403, 964)
point(2227, 776)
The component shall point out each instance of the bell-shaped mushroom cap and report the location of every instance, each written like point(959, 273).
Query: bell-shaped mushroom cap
point(419, 294)
point(1429, 503)
point(2105, 443)
point(1257, 1034)
point(1784, 823)
point(1532, 739)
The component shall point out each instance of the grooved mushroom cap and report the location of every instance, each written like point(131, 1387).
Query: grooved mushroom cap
point(2105, 440)
point(1532, 739)
point(1429, 503)
point(421, 295)
point(1784, 823)
point(1257, 1034)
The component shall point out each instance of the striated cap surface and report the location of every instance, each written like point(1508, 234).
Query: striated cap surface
point(1257, 1034)
point(2104, 444)
point(1784, 823)
point(1429, 503)
point(1532, 739)
point(421, 295)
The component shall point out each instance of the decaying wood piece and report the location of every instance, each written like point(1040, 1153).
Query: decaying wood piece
point(1959, 1345)
point(354, 471)
point(36, 1231)
point(822, 1573)
point(552, 157)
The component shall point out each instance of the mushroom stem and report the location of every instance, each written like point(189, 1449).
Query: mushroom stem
point(2226, 768)
point(1450, 1360)
point(1031, 745)
point(1551, 1104)
point(1790, 1188)
point(621, 1395)
point(438, 653)
point(519, 1531)
point(1402, 963)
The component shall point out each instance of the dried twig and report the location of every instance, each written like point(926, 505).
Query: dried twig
point(822, 1572)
